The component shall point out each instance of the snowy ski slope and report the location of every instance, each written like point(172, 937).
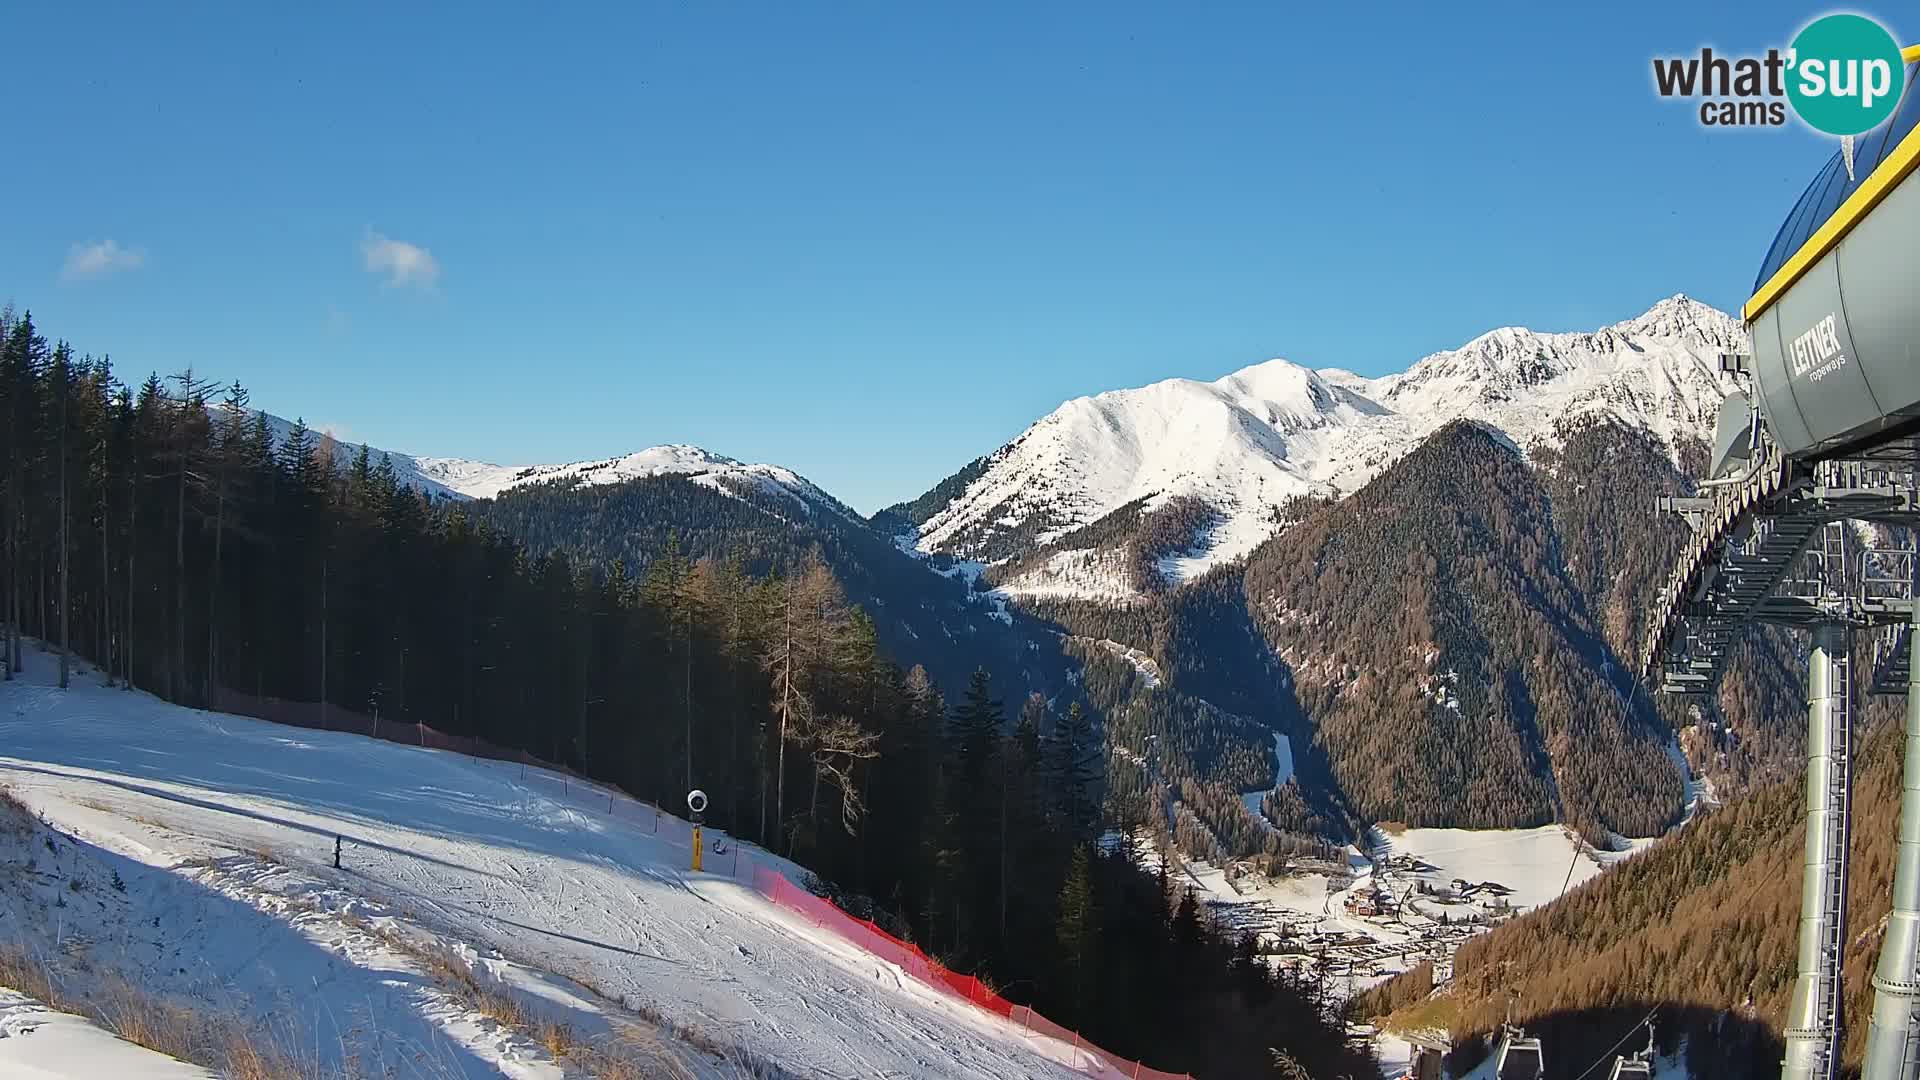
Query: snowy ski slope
point(224, 827)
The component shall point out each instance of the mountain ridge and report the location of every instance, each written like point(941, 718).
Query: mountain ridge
point(466, 478)
point(1250, 440)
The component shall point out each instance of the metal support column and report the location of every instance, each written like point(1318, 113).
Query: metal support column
point(1813, 1018)
point(1893, 1039)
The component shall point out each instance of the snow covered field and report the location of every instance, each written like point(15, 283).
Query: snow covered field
point(1537, 864)
point(220, 831)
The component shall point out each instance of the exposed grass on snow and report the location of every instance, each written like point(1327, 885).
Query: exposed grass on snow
point(15, 818)
point(628, 1053)
point(220, 1043)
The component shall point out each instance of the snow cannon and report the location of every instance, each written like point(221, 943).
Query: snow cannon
point(1835, 315)
point(697, 805)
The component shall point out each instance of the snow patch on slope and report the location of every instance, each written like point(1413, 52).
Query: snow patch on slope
point(1074, 573)
point(1282, 772)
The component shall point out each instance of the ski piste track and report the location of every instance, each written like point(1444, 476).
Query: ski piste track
point(529, 865)
point(1809, 519)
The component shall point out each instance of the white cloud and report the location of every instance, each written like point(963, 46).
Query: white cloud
point(401, 262)
point(339, 433)
point(99, 259)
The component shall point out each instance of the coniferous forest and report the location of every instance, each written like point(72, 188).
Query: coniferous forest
point(160, 530)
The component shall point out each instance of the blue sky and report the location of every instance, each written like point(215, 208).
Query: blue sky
point(868, 241)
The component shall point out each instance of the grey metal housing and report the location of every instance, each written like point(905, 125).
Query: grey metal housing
point(1732, 435)
point(1819, 399)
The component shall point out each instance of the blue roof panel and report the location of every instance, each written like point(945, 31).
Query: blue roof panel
point(1830, 187)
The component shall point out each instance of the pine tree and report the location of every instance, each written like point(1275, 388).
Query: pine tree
point(1072, 761)
point(185, 452)
point(62, 386)
point(229, 447)
point(1078, 933)
point(975, 731)
point(20, 368)
point(668, 592)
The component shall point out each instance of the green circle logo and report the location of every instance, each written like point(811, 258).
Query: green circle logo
point(1846, 74)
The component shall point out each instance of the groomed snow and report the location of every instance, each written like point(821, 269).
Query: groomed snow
point(225, 827)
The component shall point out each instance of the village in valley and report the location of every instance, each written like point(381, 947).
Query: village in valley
point(1411, 897)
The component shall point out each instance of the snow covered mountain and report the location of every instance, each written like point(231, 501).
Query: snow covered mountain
point(461, 478)
point(1246, 443)
point(480, 480)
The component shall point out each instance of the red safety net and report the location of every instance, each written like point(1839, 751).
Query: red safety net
point(1091, 1060)
point(1084, 1057)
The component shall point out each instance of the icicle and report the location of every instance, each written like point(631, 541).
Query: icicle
point(1846, 155)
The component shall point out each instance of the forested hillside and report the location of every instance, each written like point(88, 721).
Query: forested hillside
point(1700, 930)
point(163, 532)
point(1603, 478)
point(941, 620)
point(1447, 659)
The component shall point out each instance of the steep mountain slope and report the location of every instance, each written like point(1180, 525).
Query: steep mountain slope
point(1244, 444)
point(1700, 929)
point(1240, 444)
point(925, 609)
point(1602, 477)
point(1446, 657)
point(630, 509)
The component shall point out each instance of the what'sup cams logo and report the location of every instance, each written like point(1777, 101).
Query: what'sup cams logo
point(1842, 75)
